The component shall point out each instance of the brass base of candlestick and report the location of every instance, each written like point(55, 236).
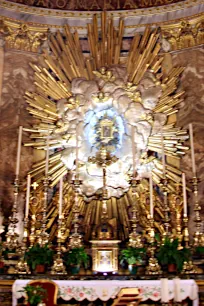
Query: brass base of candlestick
point(198, 239)
point(75, 241)
point(11, 242)
point(189, 268)
point(58, 267)
point(22, 267)
point(186, 232)
point(153, 267)
point(135, 240)
point(43, 238)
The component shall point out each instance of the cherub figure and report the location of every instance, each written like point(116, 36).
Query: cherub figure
point(101, 98)
point(104, 74)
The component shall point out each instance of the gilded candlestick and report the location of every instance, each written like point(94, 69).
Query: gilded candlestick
point(11, 236)
point(44, 236)
point(166, 208)
point(76, 239)
point(58, 266)
point(134, 237)
point(153, 267)
point(198, 235)
point(186, 232)
point(22, 266)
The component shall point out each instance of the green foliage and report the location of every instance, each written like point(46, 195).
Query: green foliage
point(38, 255)
point(169, 254)
point(133, 255)
point(35, 294)
point(199, 250)
point(76, 257)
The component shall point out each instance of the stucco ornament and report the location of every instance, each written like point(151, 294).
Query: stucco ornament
point(103, 111)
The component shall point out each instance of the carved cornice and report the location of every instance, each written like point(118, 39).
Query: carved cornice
point(179, 34)
point(22, 36)
point(85, 14)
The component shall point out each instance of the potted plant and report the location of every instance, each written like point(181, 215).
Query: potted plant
point(199, 251)
point(38, 257)
point(74, 258)
point(35, 295)
point(170, 255)
point(134, 257)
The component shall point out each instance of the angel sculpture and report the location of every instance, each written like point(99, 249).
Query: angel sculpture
point(104, 74)
point(129, 86)
point(101, 98)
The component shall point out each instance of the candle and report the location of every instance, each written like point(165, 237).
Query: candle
point(19, 150)
point(77, 149)
point(192, 149)
point(184, 195)
point(133, 150)
point(47, 157)
point(163, 155)
point(164, 290)
point(177, 289)
point(60, 197)
point(151, 196)
point(27, 196)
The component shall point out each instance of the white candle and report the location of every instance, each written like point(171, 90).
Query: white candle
point(192, 149)
point(184, 195)
point(47, 157)
point(133, 150)
point(19, 150)
point(164, 290)
point(27, 196)
point(77, 149)
point(177, 289)
point(163, 155)
point(151, 196)
point(60, 197)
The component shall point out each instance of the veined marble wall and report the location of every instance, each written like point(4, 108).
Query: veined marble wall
point(192, 111)
point(17, 77)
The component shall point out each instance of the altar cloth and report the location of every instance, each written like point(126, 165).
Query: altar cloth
point(107, 289)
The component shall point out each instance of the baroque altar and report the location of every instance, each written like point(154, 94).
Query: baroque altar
point(106, 127)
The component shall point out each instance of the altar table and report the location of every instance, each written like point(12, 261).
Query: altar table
point(107, 289)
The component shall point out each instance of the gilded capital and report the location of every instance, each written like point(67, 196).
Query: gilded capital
point(22, 36)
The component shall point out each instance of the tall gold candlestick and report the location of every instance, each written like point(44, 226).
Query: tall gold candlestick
point(166, 208)
point(135, 239)
point(11, 236)
point(153, 267)
point(44, 236)
point(22, 266)
point(58, 266)
point(198, 235)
